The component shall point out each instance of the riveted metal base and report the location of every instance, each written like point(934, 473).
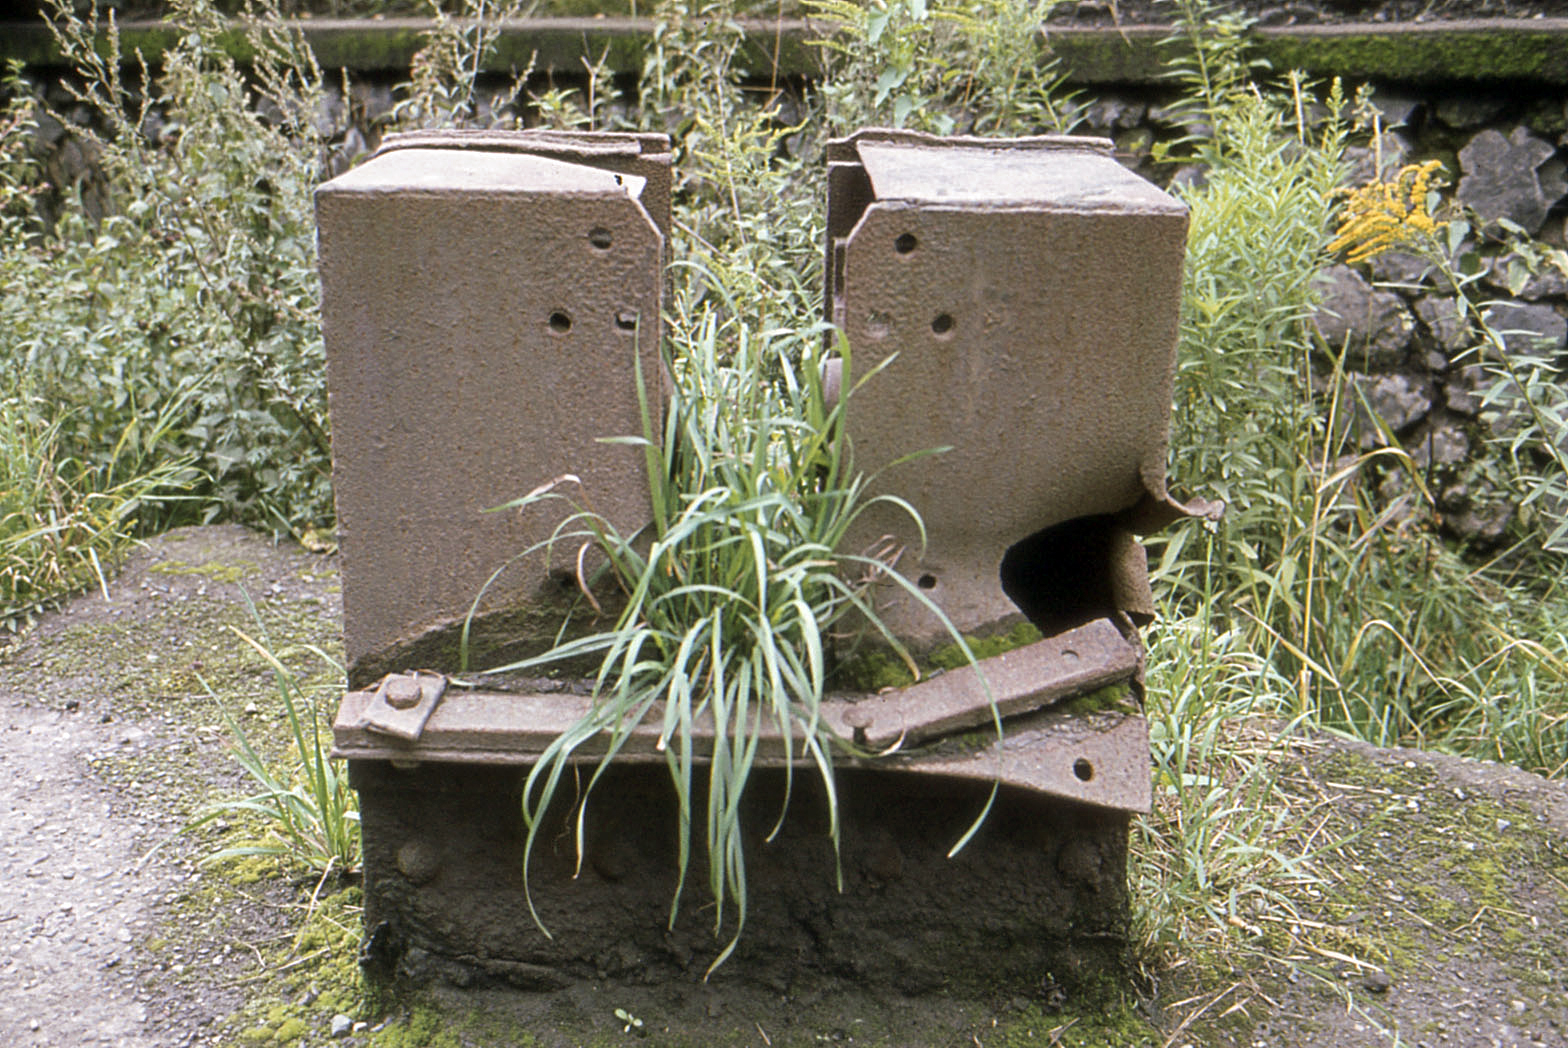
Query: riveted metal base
point(1040, 890)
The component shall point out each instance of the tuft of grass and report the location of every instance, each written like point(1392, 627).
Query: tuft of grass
point(309, 814)
point(732, 598)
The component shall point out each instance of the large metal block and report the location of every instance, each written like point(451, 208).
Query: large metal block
point(1028, 291)
point(486, 299)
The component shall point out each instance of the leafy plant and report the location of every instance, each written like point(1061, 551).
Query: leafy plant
point(732, 598)
point(943, 66)
point(308, 813)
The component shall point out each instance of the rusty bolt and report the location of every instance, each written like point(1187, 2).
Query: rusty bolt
point(859, 721)
point(404, 693)
point(418, 861)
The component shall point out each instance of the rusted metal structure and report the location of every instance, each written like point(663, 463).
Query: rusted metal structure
point(1030, 290)
point(476, 290)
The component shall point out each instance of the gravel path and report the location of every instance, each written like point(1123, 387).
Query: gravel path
point(110, 742)
point(73, 898)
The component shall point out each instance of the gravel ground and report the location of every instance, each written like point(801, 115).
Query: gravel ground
point(107, 749)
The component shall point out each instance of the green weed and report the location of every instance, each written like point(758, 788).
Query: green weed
point(308, 814)
point(732, 598)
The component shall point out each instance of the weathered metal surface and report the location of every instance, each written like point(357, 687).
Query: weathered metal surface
point(486, 301)
point(1030, 291)
point(1029, 678)
point(642, 154)
point(402, 704)
point(1042, 888)
point(1039, 751)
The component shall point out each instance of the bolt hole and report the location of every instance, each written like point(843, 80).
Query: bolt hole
point(600, 238)
point(926, 581)
point(943, 323)
point(906, 243)
point(560, 323)
point(626, 320)
point(1069, 655)
point(1083, 769)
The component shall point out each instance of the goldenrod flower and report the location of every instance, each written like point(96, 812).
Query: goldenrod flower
point(1382, 215)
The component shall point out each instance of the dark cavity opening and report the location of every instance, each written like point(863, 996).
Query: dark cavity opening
point(600, 238)
point(906, 243)
point(926, 581)
point(943, 323)
point(626, 320)
point(1065, 576)
point(560, 323)
point(1083, 769)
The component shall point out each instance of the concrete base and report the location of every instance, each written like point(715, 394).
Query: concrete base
point(1041, 890)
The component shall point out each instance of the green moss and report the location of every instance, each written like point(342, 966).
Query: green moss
point(1093, 1021)
point(872, 670)
point(1116, 697)
point(876, 668)
point(951, 656)
point(1512, 53)
point(289, 1030)
point(230, 571)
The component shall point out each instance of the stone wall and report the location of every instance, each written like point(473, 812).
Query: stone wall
point(1411, 357)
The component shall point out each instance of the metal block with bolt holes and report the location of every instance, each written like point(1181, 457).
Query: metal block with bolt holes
point(1030, 290)
point(487, 299)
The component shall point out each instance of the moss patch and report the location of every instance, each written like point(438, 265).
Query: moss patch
point(876, 668)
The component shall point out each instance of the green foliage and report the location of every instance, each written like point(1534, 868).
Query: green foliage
point(971, 66)
point(733, 596)
point(64, 515)
point(197, 287)
point(308, 814)
point(1328, 565)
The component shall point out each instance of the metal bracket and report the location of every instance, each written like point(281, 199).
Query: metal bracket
point(402, 704)
point(1095, 758)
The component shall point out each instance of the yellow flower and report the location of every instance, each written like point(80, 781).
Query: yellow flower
point(1383, 215)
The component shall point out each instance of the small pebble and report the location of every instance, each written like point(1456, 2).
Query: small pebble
point(342, 1025)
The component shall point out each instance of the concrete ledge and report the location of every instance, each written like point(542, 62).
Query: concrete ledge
point(1482, 50)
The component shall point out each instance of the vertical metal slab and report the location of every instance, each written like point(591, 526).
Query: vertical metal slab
point(485, 308)
point(1030, 290)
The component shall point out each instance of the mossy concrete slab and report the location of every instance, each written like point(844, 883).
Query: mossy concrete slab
point(1477, 50)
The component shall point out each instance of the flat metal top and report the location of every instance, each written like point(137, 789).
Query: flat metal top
point(475, 170)
point(536, 140)
point(1062, 177)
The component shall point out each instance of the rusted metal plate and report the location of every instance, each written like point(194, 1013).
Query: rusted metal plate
point(1028, 294)
point(1040, 750)
point(402, 704)
point(484, 313)
point(1027, 678)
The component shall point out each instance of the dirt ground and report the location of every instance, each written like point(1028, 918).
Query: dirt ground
point(1443, 922)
